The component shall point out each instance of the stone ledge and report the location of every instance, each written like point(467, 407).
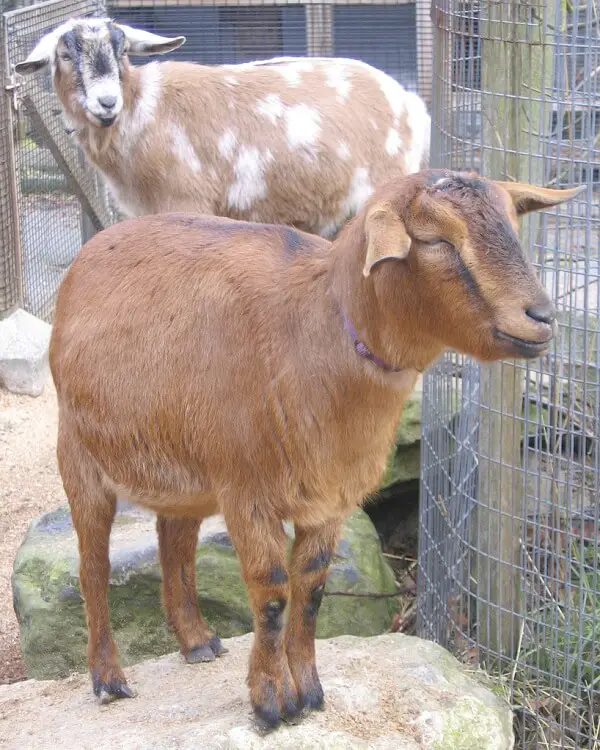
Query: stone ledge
point(389, 692)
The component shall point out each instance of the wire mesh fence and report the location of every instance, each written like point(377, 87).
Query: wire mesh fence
point(48, 222)
point(510, 489)
point(49, 178)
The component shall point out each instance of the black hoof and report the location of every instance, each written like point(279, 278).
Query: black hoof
point(292, 710)
point(206, 651)
point(110, 691)
point(200, 654)
point(313, 699)
point(267, 715)
point(216, 645)
point(266, 720)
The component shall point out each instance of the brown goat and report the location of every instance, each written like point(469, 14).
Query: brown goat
point(208, 365)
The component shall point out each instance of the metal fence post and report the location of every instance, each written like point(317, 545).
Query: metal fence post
point(11, 276)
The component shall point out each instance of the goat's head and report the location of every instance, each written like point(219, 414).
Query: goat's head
point(457, 235)
point(88, 58)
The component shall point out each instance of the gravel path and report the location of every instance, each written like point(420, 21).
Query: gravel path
point(29, 485)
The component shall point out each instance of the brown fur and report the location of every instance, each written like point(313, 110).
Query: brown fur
point(202, 365)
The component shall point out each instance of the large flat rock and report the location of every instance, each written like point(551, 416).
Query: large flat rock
point(390, 692)
point(49, 606)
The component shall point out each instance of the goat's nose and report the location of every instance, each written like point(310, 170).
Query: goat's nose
point(108, 102)
point(543, 313)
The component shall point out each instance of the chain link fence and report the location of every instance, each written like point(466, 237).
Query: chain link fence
point(510, 488)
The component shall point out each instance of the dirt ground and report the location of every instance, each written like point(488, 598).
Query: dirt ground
point(29, 485)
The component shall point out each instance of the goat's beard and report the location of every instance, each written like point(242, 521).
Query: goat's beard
point(98, 140)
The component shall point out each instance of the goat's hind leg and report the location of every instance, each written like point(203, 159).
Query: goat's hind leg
point(260, 544)
point(177, 540)
point(92, 510)
point(311, 555)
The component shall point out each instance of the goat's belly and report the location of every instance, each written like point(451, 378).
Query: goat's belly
point(169, 502)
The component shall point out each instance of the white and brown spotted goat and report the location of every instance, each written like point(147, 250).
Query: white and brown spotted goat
point(297, 141)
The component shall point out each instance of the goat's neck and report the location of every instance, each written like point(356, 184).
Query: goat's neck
point(384, 308)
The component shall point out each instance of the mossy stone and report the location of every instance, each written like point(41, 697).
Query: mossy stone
point(49, 606)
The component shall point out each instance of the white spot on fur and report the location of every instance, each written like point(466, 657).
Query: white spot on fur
point(419, 124)
point(250, 184)
point(183, 148)
point(328, 230)
point(292, 71)
point(392, 90)
point(231, 80)
point(392, 142)
point(360, 190)
point(145, 106)
point(343, 151)
point(271, 107)
point(227, 144)
point(302, 126)
point(336, 78)
point(95, 89)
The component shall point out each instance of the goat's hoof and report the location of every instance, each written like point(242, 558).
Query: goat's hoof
point(217, 646)
point(108, 692)
point(266, 719)
point(267, 714)
point(206, 651)
point(312, 699)
point(292, 708)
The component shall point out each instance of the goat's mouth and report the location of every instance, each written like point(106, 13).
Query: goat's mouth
point(102, 121)
point(106, 122)
point(524, 347)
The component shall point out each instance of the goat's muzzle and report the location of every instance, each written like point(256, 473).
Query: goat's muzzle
point(529, 348)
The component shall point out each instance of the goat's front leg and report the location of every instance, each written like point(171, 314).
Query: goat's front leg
point(311, 555)
point(177, 541)
point(260, 545)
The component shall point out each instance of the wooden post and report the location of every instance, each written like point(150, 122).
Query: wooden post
point(516, 69)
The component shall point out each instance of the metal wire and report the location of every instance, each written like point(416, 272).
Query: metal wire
point(49, 215)
point(510, 488)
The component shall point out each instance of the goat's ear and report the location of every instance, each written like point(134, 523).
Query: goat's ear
point(39, 57)
point(527, 198)
point(146, 43)
point(386, 236)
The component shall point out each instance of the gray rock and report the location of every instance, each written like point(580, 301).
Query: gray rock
point(50, 612)
point(404, 461)
point(24, 343)
point(391, 692)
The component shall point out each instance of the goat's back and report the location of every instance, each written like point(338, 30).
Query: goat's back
point(297, 142)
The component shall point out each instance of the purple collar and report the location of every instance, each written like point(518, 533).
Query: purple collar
point(363, 351)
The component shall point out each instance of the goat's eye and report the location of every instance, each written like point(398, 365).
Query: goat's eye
point(440, 243)
point(66, 57)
